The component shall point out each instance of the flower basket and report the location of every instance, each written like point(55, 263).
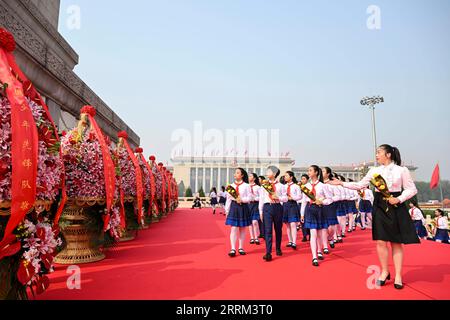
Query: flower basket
point(31, 181)
point(91, 187)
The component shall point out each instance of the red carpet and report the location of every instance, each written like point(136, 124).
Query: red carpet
point(185, 257)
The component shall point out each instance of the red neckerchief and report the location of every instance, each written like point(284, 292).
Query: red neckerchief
point(237, 186)
point(251, 188)
point(313, 190)
point(289, 189)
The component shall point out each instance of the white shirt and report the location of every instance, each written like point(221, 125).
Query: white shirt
point(321, 194)
point(213, 195)
point(416, 214)
point(294, 191)
point(442, 223)
point(244, 193)
point(397, 178)
point(264, 197)
point(221, 194)
point(332, 192)
point(254, 192)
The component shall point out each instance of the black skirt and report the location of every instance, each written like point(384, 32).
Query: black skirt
point(395, 225)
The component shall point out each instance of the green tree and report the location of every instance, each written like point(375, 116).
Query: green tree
point(201, 192)
point(188, 192)
point(181, 188)
point(425, 194)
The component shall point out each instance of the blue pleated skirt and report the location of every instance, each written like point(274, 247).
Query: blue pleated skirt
point(341, 209)
point(222, 200)
point(254, 211)
point(420, 229)
point(442, 234)
point(315, 218)
point(365, 206)
point(351, 207)
point(213, 201)
point(330, 214)
point(291, 212)
point(239, 215)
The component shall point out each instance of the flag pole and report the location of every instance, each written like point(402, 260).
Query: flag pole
point(440, 188)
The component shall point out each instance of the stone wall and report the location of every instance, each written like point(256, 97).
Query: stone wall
point(48, 61)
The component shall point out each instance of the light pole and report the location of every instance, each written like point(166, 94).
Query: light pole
point(371, 102)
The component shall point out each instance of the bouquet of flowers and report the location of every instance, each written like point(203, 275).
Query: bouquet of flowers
point(232, 191)
point(158, 178)
point(268, 187)
point(128, 174)
point(84, 166)
point(380, 184)
point(50, 169)
point(307, 192)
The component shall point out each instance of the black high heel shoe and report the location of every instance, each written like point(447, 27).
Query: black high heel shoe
point(398, 286)
point(383, 282)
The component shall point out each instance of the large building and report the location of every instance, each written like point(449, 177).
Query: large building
point(207, 172)
point(48, 61)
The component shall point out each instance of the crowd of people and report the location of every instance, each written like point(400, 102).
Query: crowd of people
point(326, 207)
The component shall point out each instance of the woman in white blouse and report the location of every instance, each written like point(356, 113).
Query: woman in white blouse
point(391, 222)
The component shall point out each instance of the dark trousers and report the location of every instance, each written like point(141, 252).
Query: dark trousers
point(273, 218)
point(261, 227)
point(305, 231)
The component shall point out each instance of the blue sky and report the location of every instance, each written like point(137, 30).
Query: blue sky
point(300, 66)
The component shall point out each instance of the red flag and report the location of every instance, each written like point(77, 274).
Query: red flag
point(435, 178)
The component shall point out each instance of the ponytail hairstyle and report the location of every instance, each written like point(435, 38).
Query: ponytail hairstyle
point(292, 175)
point(441, 212)
point(275, 171)
point(341, 178)
point(244, 174)
point(223, 188)
point(394, 152)
point(350, 180)
point(329, 172)
point(256, 178)
point(318, 171)
point(214, 190)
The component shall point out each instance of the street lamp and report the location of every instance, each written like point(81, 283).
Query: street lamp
point(371, 102)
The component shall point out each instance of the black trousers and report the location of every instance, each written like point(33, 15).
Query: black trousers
point(273, 219)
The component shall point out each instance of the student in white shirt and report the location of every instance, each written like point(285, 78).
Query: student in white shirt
point(271, 212)
point(365, 206)
point(313, 215)
point(236, 210)
point(391, 221)
point(330, 211)
point(213, 197)
point(419, 221)
point(441, 227)
point(253, 206)
point(291, 212)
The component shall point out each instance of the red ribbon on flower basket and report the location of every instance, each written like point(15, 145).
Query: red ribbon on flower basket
point(139, 186)
point(152, 181)
point(24, 145)
point(31, 93)
point(108, 164)
point(169, 186)
point(152, 160)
